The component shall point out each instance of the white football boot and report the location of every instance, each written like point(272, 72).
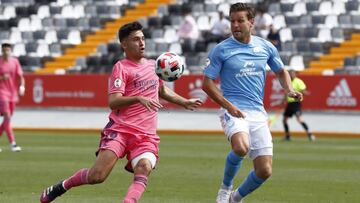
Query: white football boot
point(223, 195)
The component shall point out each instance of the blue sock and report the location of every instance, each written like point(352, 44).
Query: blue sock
point(251, 183)
point(232, 165)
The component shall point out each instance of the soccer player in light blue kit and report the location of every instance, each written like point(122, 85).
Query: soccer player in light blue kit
point(240, 63)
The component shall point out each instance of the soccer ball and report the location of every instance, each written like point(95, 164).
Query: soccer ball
point(169, 66)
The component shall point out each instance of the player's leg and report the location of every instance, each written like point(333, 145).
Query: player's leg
point(240, 147)
point(287, 114)
point(262, 171)
point(300, 120)
point(261, 153)
point(286, 128)
point(142, 166)
point(102, 167)
point(236, 131)
point(7, 109)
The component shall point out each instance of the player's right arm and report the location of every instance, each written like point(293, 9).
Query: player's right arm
point(117, 86)
point(209, 86)
point(117, 101)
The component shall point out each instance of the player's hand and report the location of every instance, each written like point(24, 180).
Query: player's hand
point(150, 104)
point(296, 95)
point(22, 90)
point(5, 77)
point(235, 112)
point(192, 104)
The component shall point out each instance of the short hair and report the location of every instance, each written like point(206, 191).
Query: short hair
point(6, 45)
point(243, 7)
point(126, 29)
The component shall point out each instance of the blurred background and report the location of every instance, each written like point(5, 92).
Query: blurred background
point(67, 49)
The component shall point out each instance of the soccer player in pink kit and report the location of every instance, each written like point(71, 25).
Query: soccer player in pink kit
point(134, 91)
point(12, 84)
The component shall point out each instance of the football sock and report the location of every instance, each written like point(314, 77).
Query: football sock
point(286, 127)
point(251, 183)
point(232, 166)
point(79, 178)
point(8, 129)
point(1, 129)
point(304, 125)
point(136, 189)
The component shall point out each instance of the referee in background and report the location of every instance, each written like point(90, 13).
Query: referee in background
point(293, 107)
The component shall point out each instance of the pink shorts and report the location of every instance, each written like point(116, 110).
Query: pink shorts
point(7, 107)
point(131, 145)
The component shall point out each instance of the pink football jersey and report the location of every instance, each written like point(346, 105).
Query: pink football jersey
point(9, 87)
point(132, 79)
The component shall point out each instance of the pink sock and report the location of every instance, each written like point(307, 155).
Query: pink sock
point(7, 127)
point(79, 178)
point(136, 189)
point(1, 129)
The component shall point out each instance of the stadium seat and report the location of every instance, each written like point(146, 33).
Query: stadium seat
point(274, 9)
point(349, 61)
point(279, 22)
point(345, 21)
point(285, 34)
point(337, 34)
point(171, 35)
point(4, 35)
point(312, 6)
point(303, 46)
point(288, 47)
point(43, 11)
point(297, 62)
point(299, 8)
point(175, 48)
point(161, 47)
point(352, 6)
point(55, 49)
point(15, 36)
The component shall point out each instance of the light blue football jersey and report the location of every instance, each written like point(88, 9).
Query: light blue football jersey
point(242, 70)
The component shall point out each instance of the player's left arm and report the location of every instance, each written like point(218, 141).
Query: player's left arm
point(170, 96)
point(282, 74)
point(21, 79)
point(285, 81)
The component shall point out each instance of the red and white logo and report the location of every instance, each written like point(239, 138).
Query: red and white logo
point(341, 96)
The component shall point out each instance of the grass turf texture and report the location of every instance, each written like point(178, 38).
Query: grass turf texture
point(190, 170)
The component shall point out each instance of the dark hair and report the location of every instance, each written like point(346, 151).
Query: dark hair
point(243, 7)
point(126, 29)
point(6, 45)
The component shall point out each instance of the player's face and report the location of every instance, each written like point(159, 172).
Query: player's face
point(241, 26)
point(6, 52)
point(134, 45)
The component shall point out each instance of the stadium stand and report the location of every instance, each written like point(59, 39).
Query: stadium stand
point(71, 36)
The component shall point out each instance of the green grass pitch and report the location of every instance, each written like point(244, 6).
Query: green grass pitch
point(190, 170)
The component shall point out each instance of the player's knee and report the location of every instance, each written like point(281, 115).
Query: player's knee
point(264, 172)
point(144, 163)
point(96, 176)
point(240, 150)
point(143, 167)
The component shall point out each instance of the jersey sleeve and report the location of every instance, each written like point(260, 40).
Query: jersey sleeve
point(274, 60)
point(213, 64)
point(118, 78)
